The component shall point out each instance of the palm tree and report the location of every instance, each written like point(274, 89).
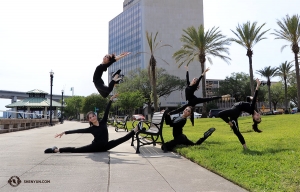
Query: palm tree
point(268, 72)
point(284, 71)
point(247, 36)
point(198, 44)
point(154, 46)
point(290, 31)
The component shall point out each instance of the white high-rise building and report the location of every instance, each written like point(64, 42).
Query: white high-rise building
point(127, 32)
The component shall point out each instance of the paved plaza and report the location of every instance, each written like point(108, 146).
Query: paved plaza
point(23, 161)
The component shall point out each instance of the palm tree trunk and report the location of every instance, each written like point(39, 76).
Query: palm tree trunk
point(204, 112)
point(154, 90)
point(149, 111)
point(298, 80)
point(249, 54)
point(285, 96)
point(269, 90)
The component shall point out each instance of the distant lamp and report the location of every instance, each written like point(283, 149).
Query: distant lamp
point(62, 107)
point(51, 84)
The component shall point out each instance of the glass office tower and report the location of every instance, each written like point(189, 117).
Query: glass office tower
point(125, 34)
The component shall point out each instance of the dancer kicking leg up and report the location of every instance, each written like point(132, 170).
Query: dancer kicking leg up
point(191, 98)
point(231, 115)
point(97, 78)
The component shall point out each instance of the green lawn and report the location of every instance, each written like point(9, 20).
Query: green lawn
point(270, 164)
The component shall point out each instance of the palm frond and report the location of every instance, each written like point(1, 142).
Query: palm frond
point(282, 48)
point(249, 34)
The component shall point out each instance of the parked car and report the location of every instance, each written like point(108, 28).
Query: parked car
point(197, 115)
point(214, 113)
point(138, 117)
point(294, 110)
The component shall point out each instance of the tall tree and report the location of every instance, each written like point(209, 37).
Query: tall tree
point(285, 71)
point(292, 89)
point(277, 94)
point(92, 101)
point(237, 84)
point(199, 44)
point(153, 46)
point(290, 31)
point(247, 36)
point(137, 80)
point(130, 101)
point(268, 72)
point(73, 106)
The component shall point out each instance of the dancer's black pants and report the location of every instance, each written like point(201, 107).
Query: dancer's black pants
point(103, 89)
point(181, 140)
point(97, 148)
point(233, 114)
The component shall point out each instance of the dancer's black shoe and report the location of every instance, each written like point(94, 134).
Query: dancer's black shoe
point(50, 150)
point(206, 135)
point(257, 130)
point(115, 73)
point(209, 132)
point(119, 80)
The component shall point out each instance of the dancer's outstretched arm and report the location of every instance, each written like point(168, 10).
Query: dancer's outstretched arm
point(187, 76)
point(86, 130)
point(118, 57)
point(105, 116)
point(255, 95)
point(199, 79)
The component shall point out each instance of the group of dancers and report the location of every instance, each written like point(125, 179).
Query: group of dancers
point(99, 129)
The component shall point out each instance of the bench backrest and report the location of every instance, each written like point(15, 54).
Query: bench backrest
point(158, 120)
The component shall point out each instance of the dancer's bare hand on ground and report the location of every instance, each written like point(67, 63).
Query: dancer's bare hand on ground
point(59, 135)
point(114, 96)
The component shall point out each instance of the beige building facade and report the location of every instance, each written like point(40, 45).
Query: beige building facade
point(127, 32)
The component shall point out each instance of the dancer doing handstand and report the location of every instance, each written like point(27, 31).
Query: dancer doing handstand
point(100, 133)
point(231, 115)
point(97, 78)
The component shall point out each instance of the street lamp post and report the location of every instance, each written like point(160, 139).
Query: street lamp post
point(62, 107)
point(51, 84)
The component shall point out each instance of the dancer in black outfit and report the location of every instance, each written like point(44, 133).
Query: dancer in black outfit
point(97, 78)
point(191, 98)
point(231, 115)
point(100, 133)
point(179, 137)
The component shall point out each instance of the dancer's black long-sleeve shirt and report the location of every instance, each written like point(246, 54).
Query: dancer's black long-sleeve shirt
point(237, 108)
point(100, 132)
point(177, 125)
point(100, 69)
point(190, 89)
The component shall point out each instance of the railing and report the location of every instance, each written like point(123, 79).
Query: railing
point(17, 124)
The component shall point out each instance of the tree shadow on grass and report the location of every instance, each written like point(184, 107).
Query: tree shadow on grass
point(266, 151)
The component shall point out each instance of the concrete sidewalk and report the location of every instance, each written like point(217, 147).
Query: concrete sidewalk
point(120, 169)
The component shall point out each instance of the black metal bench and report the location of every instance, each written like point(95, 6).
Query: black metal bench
point(121, 124)
point(151, 132)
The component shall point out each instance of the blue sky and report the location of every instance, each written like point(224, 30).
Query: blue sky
point(71, 38)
